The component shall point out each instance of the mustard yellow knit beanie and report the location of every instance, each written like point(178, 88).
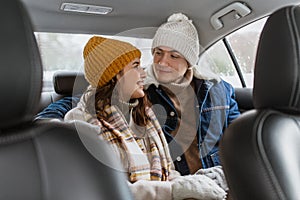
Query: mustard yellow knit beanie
point(104, 58)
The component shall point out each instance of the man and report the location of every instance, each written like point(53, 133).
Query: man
point(193, 107)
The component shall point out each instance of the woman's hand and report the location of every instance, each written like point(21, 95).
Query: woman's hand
point(196, 187)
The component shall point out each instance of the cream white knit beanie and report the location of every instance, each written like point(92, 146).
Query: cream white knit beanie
point(180, 34)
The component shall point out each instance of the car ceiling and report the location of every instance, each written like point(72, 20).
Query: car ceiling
point(141, 17)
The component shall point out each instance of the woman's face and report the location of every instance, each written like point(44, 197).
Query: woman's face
point(131, 81)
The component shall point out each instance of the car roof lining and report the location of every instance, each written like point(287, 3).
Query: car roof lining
point(129, 15)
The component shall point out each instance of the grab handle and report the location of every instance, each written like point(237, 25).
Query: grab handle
point(240, 9)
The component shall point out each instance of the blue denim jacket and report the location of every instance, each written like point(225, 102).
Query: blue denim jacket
point(216, 103)
point(217, 108)
point(58, 109)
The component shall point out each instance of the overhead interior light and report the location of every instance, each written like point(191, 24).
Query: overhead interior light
point(85, 8)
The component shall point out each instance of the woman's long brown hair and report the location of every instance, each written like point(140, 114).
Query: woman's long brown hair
point(103, 98)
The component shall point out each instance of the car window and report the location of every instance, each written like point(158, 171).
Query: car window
point(63, 52)
point(221, 63)
point(236, 54)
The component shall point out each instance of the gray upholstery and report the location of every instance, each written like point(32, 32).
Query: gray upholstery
point(260, 151)
point(44, 160)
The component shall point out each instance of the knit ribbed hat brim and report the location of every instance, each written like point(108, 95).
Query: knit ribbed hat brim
point(104, 58)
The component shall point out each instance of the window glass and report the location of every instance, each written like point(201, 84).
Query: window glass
point(64, 52)
point(243, 44)
point(220, 63)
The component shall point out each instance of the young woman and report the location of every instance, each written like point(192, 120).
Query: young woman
point(115, 101)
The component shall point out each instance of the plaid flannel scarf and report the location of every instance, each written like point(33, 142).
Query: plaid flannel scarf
point(152, 163)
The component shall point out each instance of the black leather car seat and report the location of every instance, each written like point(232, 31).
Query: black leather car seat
point(44, 160)
point(66, 84)
point(260, 151)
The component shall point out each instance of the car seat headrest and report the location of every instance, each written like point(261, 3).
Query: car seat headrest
point(68, 83)
point(277, 69)
point(21, 67)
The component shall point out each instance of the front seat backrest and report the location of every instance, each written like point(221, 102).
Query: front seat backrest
point(260, 151)
point(43, 160)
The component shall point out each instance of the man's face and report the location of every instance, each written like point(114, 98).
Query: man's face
point(169, 65)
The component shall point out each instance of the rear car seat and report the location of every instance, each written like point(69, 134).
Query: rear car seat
point(244, 98)
point(68, 87)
